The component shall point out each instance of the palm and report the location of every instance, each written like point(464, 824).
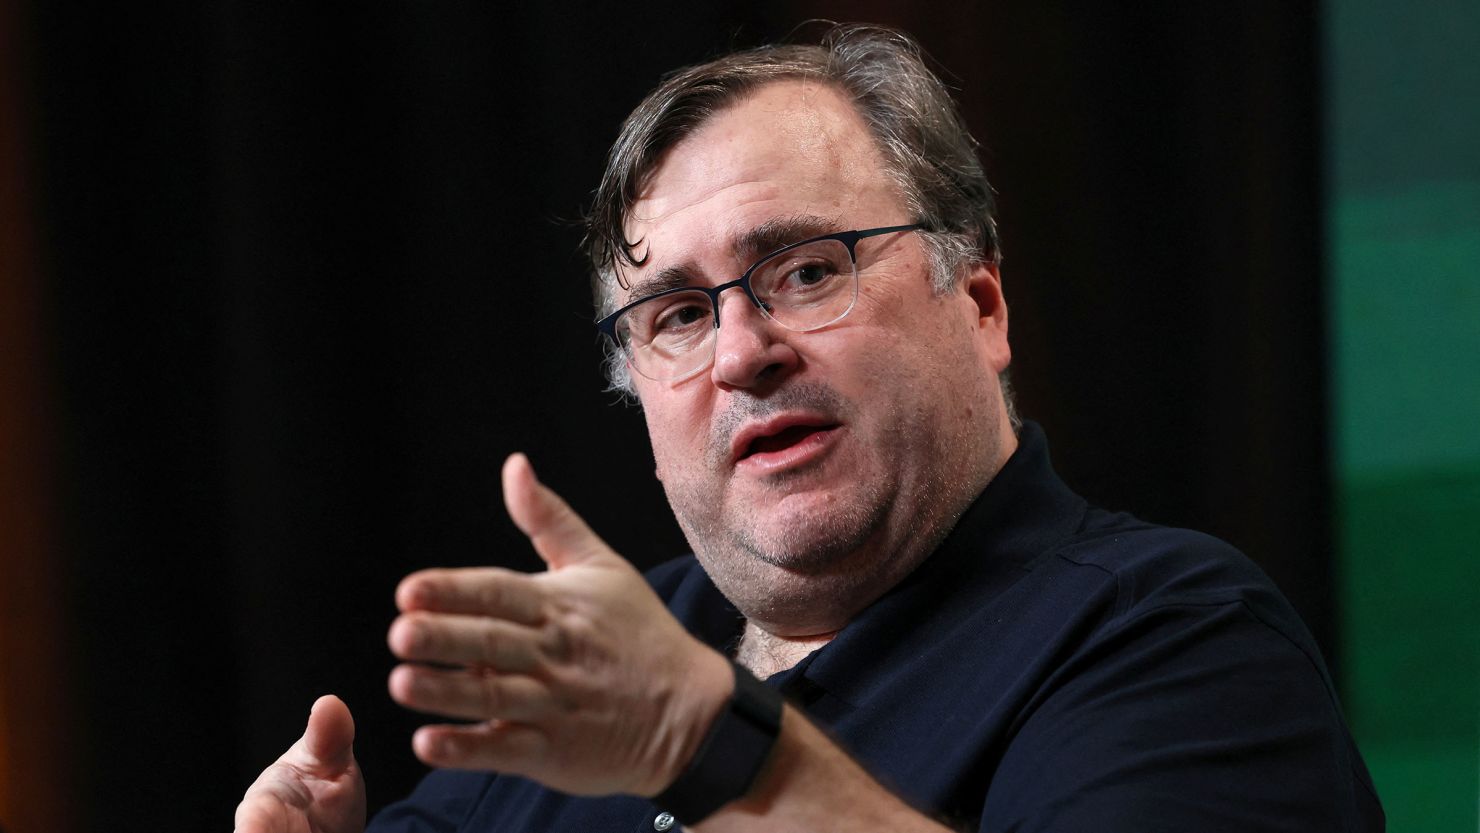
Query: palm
point(288, 800)
point(315, 787)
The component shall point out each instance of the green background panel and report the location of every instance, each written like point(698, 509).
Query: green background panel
point(1407, 316)
point(1403, 85)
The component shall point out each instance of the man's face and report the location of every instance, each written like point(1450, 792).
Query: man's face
point(812, 471)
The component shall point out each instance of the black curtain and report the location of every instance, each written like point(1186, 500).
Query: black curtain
point(312, 274)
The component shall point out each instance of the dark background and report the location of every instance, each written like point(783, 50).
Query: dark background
point(307, 273)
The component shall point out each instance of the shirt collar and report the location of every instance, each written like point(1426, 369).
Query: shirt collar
point(1023, 512)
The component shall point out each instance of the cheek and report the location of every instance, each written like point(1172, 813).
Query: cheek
point(659, 437)
point(675, 436)
point(919, 355)
point(878, 299)
point(900, 324)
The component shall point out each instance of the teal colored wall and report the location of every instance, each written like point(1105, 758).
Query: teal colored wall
point(1403, 137)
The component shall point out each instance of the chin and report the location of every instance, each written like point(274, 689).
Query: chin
point(799, 571)
point(811, 540)
point(803, 592)
point(807, 551)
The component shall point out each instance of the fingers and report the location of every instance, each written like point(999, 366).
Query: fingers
point(478, 591)
point(452, 639)
point(557, 532)
point(315, 785)
point(500, 746)
point(330, 735)
point(470, 694)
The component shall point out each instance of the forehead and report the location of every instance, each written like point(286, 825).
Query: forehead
point(787, 149)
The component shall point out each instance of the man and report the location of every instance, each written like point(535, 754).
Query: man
point(797, 265)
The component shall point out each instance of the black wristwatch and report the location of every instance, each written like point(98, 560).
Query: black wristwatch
point(731, 755)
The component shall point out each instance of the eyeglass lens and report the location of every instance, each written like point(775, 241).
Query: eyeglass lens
point(802, 289)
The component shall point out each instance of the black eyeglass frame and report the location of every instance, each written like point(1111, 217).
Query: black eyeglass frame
point(608, 325)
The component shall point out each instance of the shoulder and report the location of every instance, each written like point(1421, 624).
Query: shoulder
point(1148, 568)
point(1185, 673)
point(1147, 559)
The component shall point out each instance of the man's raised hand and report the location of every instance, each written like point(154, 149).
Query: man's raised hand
point(315, 787)
point(577, 677)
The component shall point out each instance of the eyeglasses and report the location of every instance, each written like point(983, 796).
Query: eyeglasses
point(669, 336)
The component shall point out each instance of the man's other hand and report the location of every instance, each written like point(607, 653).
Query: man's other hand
point(315, 787)
point(577, 677)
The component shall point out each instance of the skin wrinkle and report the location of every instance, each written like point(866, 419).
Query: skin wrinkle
point(748, 247)
point(908, 114)
point(902, 375)
point(784, 552)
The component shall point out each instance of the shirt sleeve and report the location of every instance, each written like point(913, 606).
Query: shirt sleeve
point(1178, 718)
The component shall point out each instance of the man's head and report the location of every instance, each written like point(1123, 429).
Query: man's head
point(924, 143)
point(812, 470)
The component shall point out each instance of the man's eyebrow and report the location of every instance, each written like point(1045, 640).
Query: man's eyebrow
point(754, 244)
point(780, 232)
point(669, 277)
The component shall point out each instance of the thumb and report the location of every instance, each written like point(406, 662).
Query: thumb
point(557, 532)
point(330, 736)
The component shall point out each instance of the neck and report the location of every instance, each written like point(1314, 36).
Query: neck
point(764, 653)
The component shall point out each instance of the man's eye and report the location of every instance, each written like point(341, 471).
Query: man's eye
point(802, 277)
point(809, 275)
point(680, 316)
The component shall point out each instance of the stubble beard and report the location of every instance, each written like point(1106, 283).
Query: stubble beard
point(799, 564)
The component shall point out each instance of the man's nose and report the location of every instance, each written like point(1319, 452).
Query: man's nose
point(749, 349)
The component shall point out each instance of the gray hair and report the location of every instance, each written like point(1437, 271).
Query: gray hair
point(927, 150)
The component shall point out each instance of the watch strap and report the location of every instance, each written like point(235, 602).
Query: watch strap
point(732, 753)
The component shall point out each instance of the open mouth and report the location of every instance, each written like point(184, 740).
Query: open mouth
point(788, 438)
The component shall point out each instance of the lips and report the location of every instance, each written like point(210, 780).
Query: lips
point(780, 441)
point(779, 437)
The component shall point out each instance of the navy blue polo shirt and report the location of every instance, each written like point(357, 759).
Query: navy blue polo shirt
point(1051, 667)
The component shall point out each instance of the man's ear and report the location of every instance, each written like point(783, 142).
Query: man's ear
point(984, 287)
